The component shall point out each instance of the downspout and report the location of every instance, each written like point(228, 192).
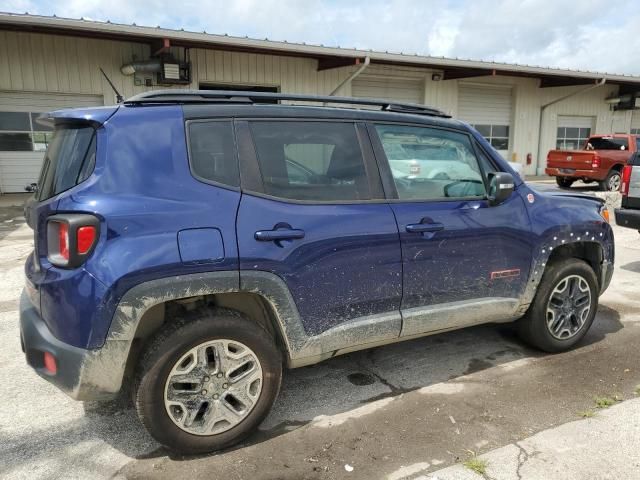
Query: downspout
point(365, 64)
point(599, 83)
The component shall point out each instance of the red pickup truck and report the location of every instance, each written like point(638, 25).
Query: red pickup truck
point(601, 160)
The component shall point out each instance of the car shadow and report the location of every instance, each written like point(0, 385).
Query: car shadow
point(349, 381)
point(632, 267)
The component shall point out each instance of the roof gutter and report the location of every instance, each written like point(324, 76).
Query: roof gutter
point(598, 84)
point(350, 78)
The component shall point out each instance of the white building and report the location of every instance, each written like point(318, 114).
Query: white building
point(48, 63)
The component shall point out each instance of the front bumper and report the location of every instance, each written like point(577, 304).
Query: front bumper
point(628, 218)
point(573, 173)
point(76, 373)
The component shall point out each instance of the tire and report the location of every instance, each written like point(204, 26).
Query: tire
point(612, 182)
point(171, 351)
point(534, 327)
point(564, 182)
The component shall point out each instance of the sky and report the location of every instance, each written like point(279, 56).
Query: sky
point(596, 35)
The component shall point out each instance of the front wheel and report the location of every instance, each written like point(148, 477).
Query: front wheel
point(207, 381)
point(564, 307)
point(564, 182)
point(612, 182)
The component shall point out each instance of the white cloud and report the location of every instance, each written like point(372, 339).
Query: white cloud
point(592, 35)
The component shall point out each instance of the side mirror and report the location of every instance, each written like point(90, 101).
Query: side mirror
point(501, 187)
point(32, 188)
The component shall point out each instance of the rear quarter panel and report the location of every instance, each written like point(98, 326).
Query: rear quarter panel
point(144, 194)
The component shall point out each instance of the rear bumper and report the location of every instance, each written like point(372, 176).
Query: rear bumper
point(628, 218)
point(76, 374)
point(577, 174)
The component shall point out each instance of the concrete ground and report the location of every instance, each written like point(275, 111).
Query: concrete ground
point(427, 408)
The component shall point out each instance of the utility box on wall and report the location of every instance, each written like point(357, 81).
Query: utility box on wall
point(174, 72)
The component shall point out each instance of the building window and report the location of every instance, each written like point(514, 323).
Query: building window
point(496, 135)
point(19, 132)
point(635, 131)
point(572, 138)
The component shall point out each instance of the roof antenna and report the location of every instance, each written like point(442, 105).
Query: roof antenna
point(119, 98)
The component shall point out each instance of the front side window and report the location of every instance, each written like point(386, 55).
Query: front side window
point(19, 132)
point(212, 152)
point(312, 161)
point(431, 164)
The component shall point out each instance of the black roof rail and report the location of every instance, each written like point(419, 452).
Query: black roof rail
point(241, 97)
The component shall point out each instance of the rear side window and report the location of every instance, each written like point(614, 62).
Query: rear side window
point(212, 152)
point(68, 161)
point(313, 161)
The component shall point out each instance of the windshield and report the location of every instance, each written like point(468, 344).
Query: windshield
point(68, 161)
point(607, 143)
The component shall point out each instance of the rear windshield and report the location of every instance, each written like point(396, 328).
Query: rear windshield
point(68, 161)
point(607, 143)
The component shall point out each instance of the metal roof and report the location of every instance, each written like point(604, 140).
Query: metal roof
point(452, 67)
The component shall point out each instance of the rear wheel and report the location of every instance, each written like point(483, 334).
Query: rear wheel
point(564, 182)
point(564, 306)
point(207, 381)
point(612, 182)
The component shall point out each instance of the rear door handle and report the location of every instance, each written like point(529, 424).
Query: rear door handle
point(279, 234)
point(424, 227)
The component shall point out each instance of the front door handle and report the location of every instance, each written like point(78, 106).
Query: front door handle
point(424, 227)
point(279, 234)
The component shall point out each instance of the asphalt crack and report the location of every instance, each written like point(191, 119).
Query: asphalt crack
point(523, 457)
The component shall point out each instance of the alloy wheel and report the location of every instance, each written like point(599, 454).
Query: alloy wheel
point(568, 307)
point(213, 387)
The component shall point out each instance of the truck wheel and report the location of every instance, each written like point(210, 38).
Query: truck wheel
point(564, 182)
point(564, 307)
point(207, 381)
point(612, 182)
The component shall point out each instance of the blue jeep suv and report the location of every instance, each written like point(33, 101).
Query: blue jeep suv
point(191, 244)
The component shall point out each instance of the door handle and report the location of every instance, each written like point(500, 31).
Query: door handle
point(424, 227)
point(279, 234)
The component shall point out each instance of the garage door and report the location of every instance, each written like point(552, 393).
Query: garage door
point(389, 88)
point(635, 123)
point(22, 140)
point(488, 109)
point(573, 131)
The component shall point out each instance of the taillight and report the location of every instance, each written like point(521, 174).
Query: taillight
point(595, 162)
point(63, 240)
point(71, 238)
point(86, 236)
point(626, 179)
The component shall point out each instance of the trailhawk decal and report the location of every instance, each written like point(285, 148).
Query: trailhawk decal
point(505, 274)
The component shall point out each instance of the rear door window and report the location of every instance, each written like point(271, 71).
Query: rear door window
point(68, 161)
point(312, 161)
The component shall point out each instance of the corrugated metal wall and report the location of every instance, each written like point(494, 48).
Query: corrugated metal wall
point(57, 64)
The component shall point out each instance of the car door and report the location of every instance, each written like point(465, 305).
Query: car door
point(312, 213)
point(464, 261)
